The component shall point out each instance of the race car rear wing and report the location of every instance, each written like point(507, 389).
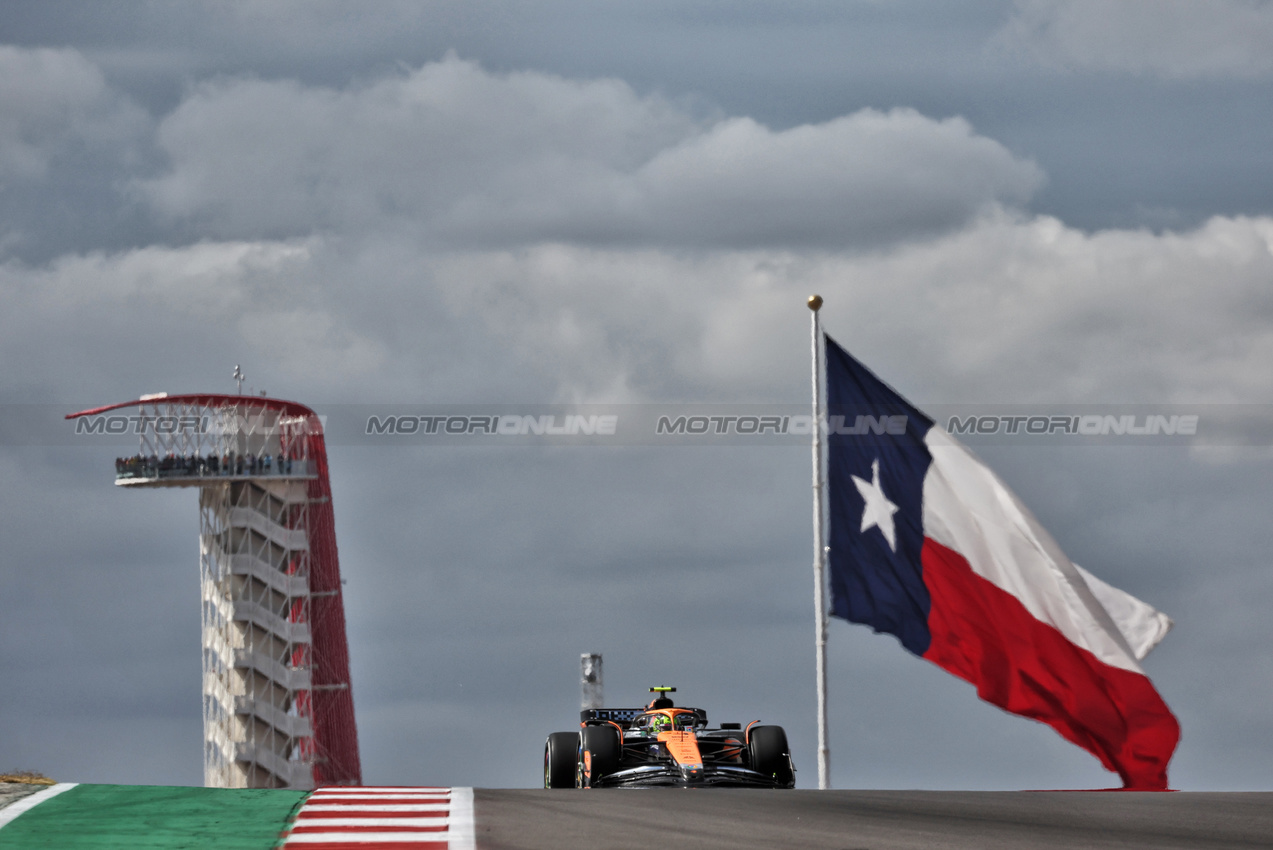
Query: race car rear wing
point(623, 716)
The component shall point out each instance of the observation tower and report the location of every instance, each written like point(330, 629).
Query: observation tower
point(278, 711)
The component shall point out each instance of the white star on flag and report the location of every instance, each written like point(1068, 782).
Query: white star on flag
point(878, 510)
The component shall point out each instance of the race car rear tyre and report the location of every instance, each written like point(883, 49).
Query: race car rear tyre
point(561, 753)
point(599, 752)
point(770, 755)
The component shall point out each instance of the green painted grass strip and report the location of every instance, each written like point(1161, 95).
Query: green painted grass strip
point(153, 817)
point(22, 804)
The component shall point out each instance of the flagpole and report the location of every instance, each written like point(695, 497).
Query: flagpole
point(819, 554)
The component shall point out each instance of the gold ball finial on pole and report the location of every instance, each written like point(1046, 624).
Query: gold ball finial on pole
point(815, 302)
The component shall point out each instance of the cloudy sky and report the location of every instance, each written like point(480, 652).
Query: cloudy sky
point(1043, 202)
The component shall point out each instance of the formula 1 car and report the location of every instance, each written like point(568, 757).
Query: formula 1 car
point(665, 745)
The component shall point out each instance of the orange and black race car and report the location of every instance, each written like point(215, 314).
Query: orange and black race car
point(665, 745)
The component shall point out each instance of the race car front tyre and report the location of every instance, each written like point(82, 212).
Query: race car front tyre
point(561, 753)
point(599, 751)
point(770, 755)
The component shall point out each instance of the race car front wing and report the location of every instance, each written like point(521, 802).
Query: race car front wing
point(671, 775)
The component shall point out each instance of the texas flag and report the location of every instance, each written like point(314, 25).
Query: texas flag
point(929, 545)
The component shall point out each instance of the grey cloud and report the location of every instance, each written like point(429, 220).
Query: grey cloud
point(66, 140)
point(1008, 306)
point(1057, 314)
point(483, 159)
point(1114, 146)
point(1170, 38)
point(52, 101)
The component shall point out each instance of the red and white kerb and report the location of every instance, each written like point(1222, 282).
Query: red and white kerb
point(384, 818)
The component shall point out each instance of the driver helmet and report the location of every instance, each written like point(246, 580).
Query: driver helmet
point(660, 723)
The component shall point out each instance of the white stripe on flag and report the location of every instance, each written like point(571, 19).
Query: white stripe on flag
point(1143, 625)
point(967, 508)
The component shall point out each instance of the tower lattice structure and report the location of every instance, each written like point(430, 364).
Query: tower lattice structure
point(277, 701)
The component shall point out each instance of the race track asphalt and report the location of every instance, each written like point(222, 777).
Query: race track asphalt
point(869, 820)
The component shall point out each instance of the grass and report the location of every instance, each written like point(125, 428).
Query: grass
point(27, 777)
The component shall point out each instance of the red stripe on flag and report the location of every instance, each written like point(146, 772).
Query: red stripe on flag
point(984, 635)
